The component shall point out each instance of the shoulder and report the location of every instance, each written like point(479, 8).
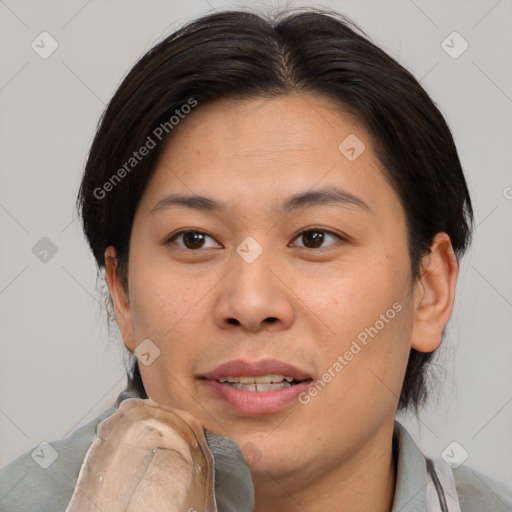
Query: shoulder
point(478, 492)
point(44, 478)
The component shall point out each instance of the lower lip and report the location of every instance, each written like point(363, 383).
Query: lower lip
point(258, 402)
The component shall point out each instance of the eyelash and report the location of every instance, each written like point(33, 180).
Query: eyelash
point(308, 230)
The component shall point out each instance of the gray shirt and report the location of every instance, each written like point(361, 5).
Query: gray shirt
point(43, 479)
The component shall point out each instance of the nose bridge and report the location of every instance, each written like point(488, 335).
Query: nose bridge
point(253, 293)
point(252, 275)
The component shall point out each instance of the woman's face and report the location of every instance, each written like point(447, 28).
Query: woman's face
point(229, 287)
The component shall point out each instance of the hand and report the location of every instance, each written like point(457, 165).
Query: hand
point(147, 457)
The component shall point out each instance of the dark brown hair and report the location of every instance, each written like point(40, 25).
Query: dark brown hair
point(240, 54)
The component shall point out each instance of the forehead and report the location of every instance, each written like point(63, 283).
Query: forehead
point(242, 151)
point(290, 126)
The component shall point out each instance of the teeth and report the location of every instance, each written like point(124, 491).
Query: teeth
point(259, 387)
point(262, 379)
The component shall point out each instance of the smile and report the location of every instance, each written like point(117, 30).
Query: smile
point(259, 387)
point(260, 383)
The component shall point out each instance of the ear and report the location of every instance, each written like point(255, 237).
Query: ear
point(119, 297)
point(434, 294)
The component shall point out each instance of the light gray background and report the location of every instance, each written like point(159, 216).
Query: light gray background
point(58, 368)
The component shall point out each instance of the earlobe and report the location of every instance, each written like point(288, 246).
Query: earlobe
point(434, 294)
point(119, 297)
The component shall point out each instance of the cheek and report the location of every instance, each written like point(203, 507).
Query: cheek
point(369, 322)
point(362, 380)
point(158, 300)
point(374, 357)
point(351, 298)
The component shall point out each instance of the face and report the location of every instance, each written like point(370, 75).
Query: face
point(257, 281)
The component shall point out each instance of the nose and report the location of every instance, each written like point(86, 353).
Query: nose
point(253, 296)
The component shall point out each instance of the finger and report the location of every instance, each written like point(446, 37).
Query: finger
point(105, 426)
point(115, 475)
point(130, 410)
point(108, 477)
point(164, 420)
point(172, 483)
point(116, 463)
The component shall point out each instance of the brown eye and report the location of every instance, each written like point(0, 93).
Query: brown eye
point(314, 238)
point(192, 240)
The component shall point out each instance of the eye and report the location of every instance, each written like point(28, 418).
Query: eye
point(192, 240)
point(313, 238)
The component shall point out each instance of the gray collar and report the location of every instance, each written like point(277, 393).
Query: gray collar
point(411, 474)
point(422, 484)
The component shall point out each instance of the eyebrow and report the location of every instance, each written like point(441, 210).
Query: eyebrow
point(331, 196)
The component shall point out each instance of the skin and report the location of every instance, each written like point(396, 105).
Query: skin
point(337, 449)
point(145, 458)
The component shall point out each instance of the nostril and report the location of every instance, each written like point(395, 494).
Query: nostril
point(271, 319)
point(233, 321)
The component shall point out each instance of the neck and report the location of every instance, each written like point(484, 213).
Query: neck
point(365, 482)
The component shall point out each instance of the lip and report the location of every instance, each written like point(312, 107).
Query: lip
point(256, 402)
point(241, 367)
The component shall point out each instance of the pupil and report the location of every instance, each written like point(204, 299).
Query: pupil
point(311, 239)
point(314, 237)
point(193, 240)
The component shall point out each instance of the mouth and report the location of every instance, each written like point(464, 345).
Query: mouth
point(257, 387)
point(261, 383)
